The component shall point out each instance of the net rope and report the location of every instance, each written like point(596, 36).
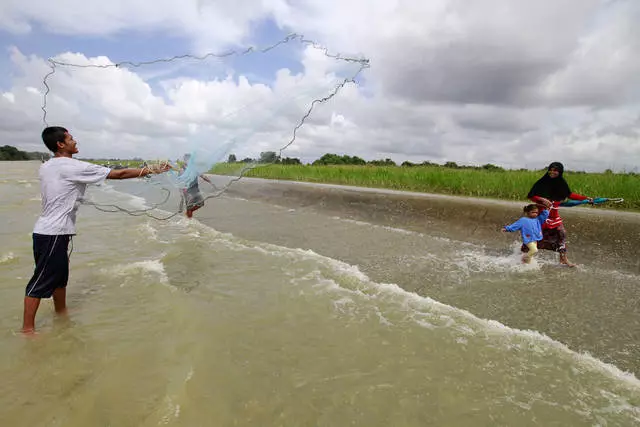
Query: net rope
point(361, 65)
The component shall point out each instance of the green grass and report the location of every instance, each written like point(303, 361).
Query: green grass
point(505, 185)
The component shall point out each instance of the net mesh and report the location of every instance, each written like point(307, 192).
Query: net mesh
point(248, 124)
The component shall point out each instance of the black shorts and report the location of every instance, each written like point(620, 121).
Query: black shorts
point(52, 265)
point(193, 198)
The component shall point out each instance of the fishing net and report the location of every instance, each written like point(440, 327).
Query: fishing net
point(215, 113)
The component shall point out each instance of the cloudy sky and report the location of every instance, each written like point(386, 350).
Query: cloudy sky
point(514, 83)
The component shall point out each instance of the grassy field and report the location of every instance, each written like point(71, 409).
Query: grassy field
point(506, 185)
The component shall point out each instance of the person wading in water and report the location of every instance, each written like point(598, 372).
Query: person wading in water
point(548, 192)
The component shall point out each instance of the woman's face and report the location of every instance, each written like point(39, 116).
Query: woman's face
point(554, 173)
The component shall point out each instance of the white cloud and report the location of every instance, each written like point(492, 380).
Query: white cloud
point(211, 24)
point(114, 111)
point(9, 97)
point(499, 81)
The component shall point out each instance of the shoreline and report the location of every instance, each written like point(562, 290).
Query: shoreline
point(594, 235)
point(577, 210)
point(509, 185)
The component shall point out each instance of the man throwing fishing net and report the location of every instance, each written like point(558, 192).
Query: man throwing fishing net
point(63, 181)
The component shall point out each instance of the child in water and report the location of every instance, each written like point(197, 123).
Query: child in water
point(530, 226)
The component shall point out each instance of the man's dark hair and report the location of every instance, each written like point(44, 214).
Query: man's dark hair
point(52, 135)
point(530, 207)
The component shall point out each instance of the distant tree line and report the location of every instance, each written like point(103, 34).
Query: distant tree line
point(266, 157)
point(9, 152)
point(335, 159)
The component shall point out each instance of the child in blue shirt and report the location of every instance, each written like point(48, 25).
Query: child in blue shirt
point(530, 226)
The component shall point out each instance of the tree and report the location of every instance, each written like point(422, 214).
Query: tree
point(491, 167)
point(12, 153)
point(329, 159)
point(291, 161)
point(334, 159)
point(268, 157)
point(355, 160)
point(385, 162)
point(232, 158)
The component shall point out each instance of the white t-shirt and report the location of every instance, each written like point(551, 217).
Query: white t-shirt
point(63, 181)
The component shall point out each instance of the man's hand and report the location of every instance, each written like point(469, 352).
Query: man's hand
point(161, 168)
point(546, 202)
point(164, 168)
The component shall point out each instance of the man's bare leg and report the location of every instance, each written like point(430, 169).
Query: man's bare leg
point(29, 317)
point(192, 210)
point(60, 301)
point(564, 260)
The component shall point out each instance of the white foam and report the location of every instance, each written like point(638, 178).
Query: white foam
point(383, 320)
point(189, 375)
point(241, 199)
point(382, 227)
point(344, 305)
point(138, 202)
point(133, 201)
point(7, 257)
point(474, 261)
point(155, 267)
point(149, 231)
point(493, 326)
point(402, 231)
point(417, 304)
point(172, 411)
point(353, 221)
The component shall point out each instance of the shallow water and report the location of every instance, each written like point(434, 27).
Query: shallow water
point(262, 314)
point(451, 249)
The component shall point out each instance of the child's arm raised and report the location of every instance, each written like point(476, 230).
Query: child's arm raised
point(542, 217)
point(513, 227)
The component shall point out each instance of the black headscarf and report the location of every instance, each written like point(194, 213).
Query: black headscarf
point(554, 189)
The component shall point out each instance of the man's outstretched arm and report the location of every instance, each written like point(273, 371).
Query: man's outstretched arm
point(134, 172)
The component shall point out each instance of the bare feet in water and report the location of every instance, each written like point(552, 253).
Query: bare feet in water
point(564, 260)
point(29, 333)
